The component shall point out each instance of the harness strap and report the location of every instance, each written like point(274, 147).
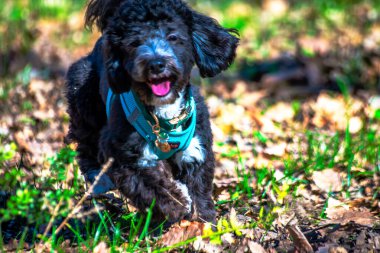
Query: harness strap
point(134, 112)
point(135, 116)
point(109, 102)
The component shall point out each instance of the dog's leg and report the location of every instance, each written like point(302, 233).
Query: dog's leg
point(196, 164)
point(142, 186)
point(140, 180)
point(87, 117)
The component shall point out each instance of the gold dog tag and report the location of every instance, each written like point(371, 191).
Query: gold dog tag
point(163, 146)
point(162, 142)
point(162, 137)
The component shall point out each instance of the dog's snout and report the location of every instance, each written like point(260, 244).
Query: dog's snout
point(156, 66)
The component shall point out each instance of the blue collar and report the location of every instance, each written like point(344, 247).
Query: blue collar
point(164, 141)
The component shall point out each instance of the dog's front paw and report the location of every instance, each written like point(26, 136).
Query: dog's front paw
point(176, 213)
point(178, 205)
point(185, 192)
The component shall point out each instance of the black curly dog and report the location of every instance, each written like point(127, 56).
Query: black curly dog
point(148, 47)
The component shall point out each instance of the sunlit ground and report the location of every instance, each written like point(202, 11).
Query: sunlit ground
point(295, 122)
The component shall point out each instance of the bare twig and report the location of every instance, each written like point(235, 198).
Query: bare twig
point(176, 200)
point(301, 244)
point(55, 212)
point(87, 193)
point(56, 209)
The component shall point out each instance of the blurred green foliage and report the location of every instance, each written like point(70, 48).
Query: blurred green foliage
point(35, 199)
point(18, 17)
point(18, 21)
point(311, 17)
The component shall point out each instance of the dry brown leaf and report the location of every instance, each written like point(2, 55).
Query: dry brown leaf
point(39, 89)
point(328, 180)
point(205, 246)
point(214, 104)
point(318, 45)
point(280, 112)
point(225, 182)
point(268, 127)
point(342, 216)
point(330, 111)
point(181, 232)
point(240, 88)
point(250, 99)
point(278, 149)
point(341, 213)
point(224, 195)
point(232, 117)
point(42, 248)
point(325, 248)
point(228, 238)
point(21, 142)
point(301, 244)
point(44, 114)
point(337, 250)
point(254, 247)
point(101, 248)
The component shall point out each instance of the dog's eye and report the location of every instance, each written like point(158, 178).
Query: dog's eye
point(172, 37)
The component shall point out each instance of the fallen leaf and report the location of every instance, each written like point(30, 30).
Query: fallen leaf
point(250, 99)
point(101, 248)
point(224, 195)
point(181, 232)
point(205, 246)
point(316, 45)
point(278, 149)
point(328, 180)
point(342, 216)
point(228, 238)
point(330, 111)
point(254, 247)
point(44, 114)
point(280, 112)
point(341, 213)
point(232, 117)
point(337, 250)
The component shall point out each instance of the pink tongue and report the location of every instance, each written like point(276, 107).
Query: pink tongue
point(161, 89)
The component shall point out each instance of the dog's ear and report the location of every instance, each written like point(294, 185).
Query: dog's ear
point(214, 46)
point(118, 79)
point(99, 11)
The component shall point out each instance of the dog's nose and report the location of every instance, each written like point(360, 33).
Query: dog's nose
point(156, 66)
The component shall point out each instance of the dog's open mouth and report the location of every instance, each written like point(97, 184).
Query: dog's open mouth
point(160, 87)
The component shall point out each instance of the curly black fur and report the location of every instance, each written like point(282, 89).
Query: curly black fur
point(122, 61)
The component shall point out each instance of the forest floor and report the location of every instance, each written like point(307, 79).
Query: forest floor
point(297, 148)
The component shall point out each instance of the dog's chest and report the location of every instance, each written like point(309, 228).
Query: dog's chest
point(171, 110)
point(194, 152)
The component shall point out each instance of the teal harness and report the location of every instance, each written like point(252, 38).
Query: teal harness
point(157, 132)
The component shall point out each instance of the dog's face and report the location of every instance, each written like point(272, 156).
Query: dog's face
point(152, 45)
point(158, 58)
